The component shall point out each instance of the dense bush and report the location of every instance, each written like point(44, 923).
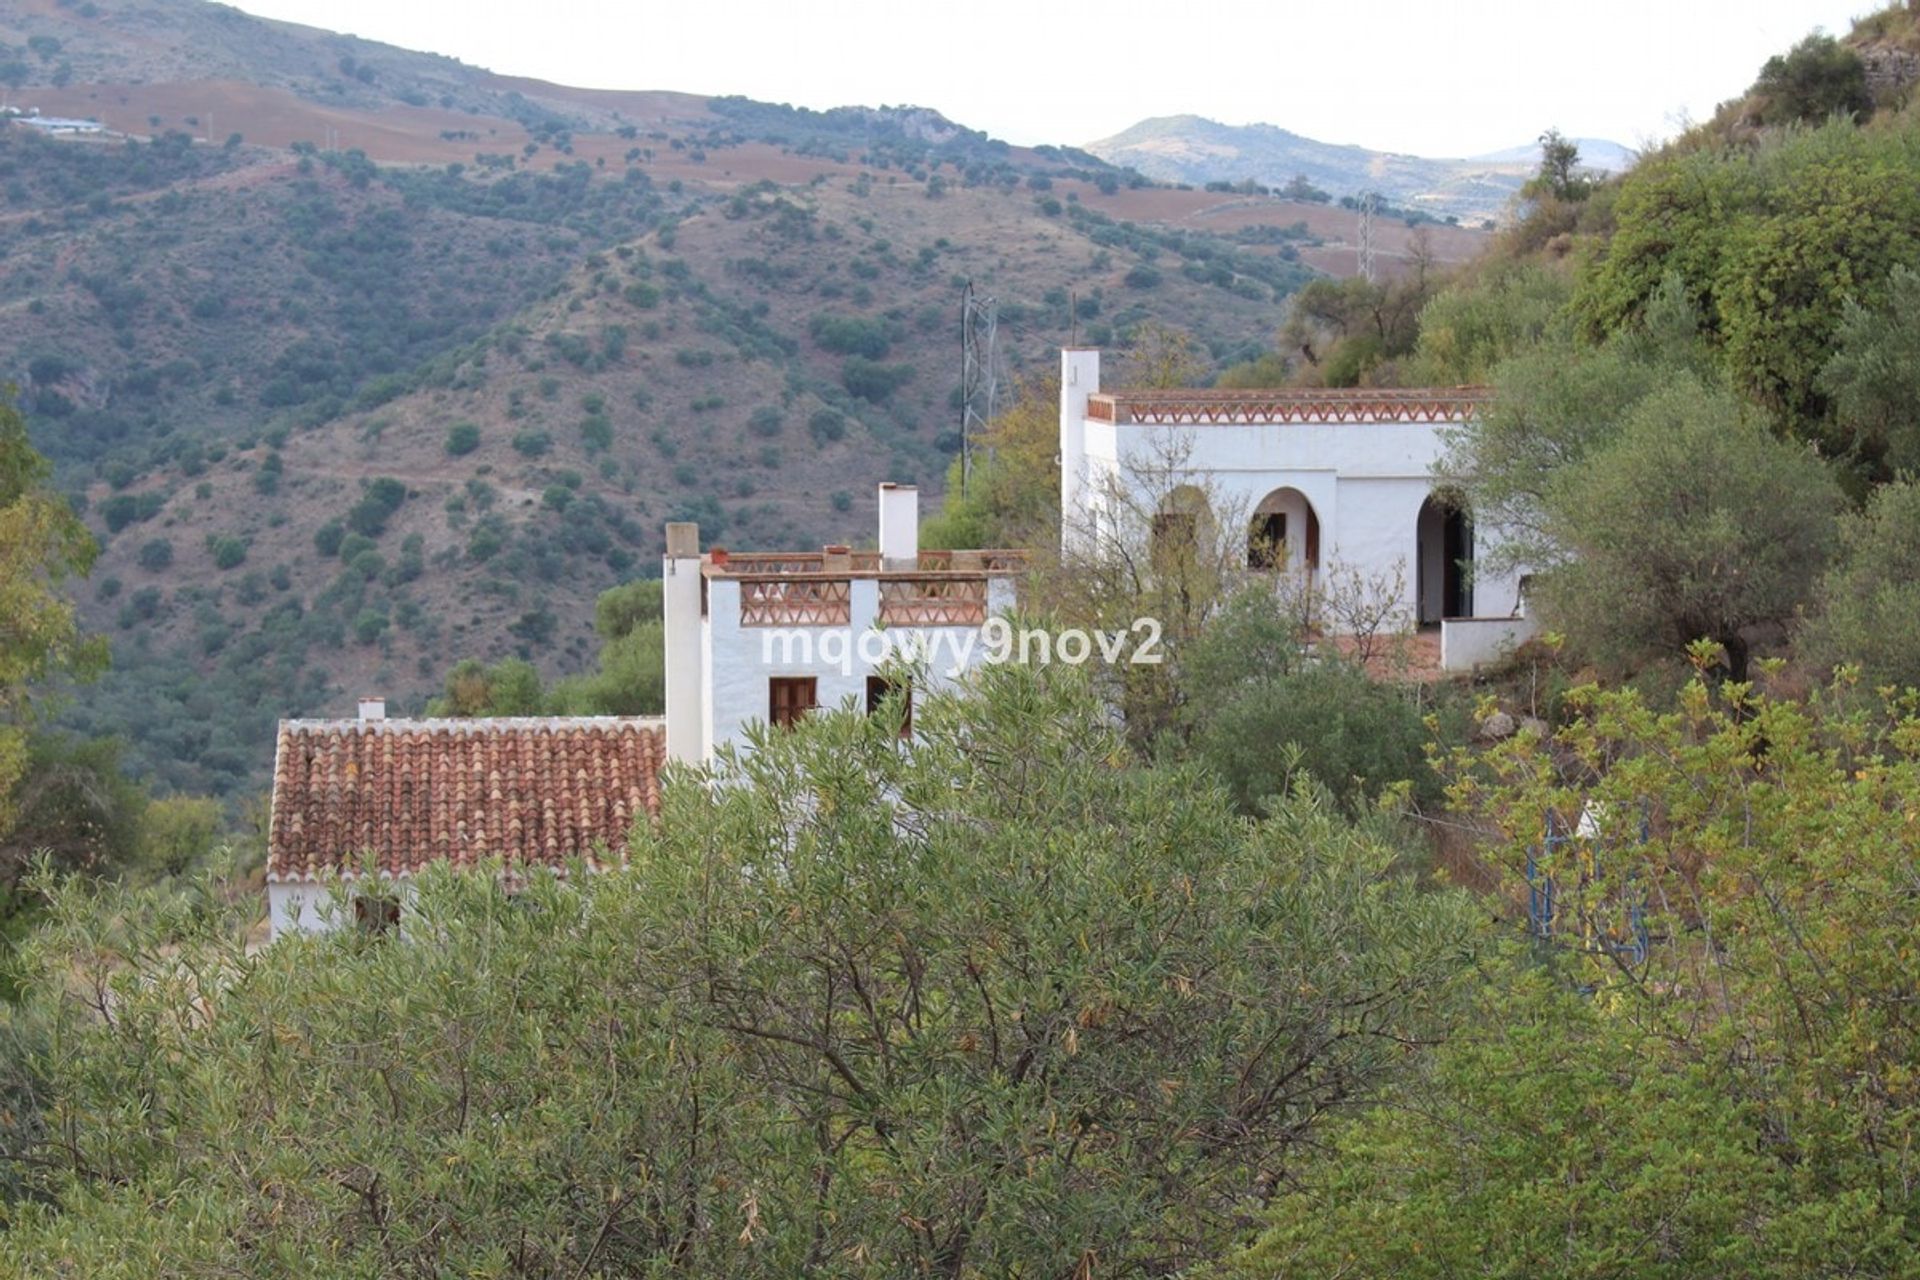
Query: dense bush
point(463, 438)
point(227, 550)
point(327, 538)
point(1265, 715)
point(866, 336)
point(1868, 608)
point(872, 380)
point(378, 501)
point(156, 554)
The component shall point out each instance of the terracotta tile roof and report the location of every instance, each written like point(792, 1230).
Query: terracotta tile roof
point(410, 792)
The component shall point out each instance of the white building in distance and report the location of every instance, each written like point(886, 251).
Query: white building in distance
point(767, 637)
point(1323, 481)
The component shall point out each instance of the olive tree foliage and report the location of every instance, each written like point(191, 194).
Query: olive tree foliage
point(1693, 522)
point(1873, 375)
point(1473, 325)
point(42, 545)
point(1816, 79)
point(629, 678)
point(1868, 611)
point(1769, 243)
point(1004, 1004)
point(1654, 508)
point(1265, 711)
point(1012, 496)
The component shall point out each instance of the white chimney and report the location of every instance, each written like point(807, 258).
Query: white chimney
point(680, 596)
point(899, 526)
point(373, 708)
point(1079, 378)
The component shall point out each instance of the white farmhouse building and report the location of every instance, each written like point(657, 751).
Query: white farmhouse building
point(1324, 480)
point(767, 637)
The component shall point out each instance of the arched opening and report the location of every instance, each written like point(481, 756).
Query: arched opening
point(1284, 533)
point(1443, 560)
point(1182, 525)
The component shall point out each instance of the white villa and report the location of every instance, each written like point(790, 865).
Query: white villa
point(1324, 479)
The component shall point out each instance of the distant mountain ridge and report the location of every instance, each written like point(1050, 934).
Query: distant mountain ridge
point(1192, 149)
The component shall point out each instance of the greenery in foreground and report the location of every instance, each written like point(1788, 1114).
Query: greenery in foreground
point(1006, 1004)
point(1016, 1004)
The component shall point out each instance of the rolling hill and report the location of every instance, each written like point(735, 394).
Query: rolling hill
point(1196, 151)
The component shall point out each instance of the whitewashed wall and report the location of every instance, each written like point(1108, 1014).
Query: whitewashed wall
point(310, 906)
point(740, 662)
point(1366, 481)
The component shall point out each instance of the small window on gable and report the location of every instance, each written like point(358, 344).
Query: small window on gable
point(789, 698)
point(879, 687)
point(376, 915)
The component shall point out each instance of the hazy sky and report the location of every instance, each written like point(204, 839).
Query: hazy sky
point(1434, 77)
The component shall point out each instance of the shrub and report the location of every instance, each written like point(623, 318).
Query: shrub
point(1869, 602)
point(119, 511)
point(850, 335)
point(463, 438)
point(1263, 716)
point(327, 538)
point(827, 425)
point(378, 502)
point(156, 554)
point(1813, 80)
point(871, 380)
point(353, 546)
point(369, 626)
point(765, 421)
point(532, 444)
point(228, 550)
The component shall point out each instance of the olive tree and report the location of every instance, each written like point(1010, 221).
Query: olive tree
point(1695, 522)
point(1868, 611)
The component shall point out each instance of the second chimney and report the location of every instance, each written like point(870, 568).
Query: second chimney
point(899, 526)
point(373, 708)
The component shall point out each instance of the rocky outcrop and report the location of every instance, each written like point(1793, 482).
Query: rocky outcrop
point(1891, 71)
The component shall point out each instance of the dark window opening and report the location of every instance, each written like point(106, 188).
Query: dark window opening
point(1266, 542)
point(789, 698)
point(376, 915)
point(878, 689)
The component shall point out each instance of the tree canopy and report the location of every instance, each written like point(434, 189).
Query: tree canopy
point(1008, 1003)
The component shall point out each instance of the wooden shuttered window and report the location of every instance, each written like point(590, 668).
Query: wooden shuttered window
point(789, 698)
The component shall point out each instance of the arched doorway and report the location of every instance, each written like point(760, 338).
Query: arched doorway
point(1443, 560)
point(1284, 533)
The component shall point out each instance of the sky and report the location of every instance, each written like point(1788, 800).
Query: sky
point(1428, 77)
